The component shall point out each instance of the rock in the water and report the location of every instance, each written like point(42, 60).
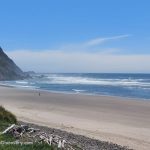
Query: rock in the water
point(8, 69)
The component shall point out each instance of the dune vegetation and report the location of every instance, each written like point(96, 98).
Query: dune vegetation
point(6, 119)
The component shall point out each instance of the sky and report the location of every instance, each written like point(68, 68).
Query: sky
point(77, 35)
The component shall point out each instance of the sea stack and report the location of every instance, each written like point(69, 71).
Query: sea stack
point(8, 69)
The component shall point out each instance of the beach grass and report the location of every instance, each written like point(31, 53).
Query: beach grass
point(6, 119)
point(27, 147)
point(6, 116)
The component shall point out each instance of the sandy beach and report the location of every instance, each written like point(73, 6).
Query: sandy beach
point(115, 119)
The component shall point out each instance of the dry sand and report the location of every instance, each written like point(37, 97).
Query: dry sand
point(119, 120)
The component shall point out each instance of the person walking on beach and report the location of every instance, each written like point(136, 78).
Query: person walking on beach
point(39, 93)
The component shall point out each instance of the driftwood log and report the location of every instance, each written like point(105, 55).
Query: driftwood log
point(18, 131)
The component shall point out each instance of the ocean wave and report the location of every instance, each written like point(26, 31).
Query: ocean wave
point(49, 79)
point(129, 85)
point(78, 91)
point(117, 85)
point(21, 82)
point(25, 86)
point(58, 79)
point(18, 85)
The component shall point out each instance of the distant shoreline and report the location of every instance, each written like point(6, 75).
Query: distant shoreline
point(77, 93)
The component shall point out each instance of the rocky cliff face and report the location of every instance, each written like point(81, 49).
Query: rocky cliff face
point(8, 69)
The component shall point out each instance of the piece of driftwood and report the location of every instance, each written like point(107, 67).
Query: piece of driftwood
point(18, 131)
point(8, 129)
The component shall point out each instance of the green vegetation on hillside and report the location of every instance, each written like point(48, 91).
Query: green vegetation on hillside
point(6, 116)
point(6, 119)
point(27, 147)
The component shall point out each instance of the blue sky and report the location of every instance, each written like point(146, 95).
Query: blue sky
point(68, 27)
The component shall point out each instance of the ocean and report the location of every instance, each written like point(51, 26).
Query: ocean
point(110, 84)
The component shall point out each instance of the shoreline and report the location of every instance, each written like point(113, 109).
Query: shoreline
point(114, 119)
point(77, 93)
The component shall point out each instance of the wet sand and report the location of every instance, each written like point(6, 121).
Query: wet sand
point(119, 120)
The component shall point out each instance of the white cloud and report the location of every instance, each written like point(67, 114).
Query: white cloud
point(99, 41)
point(77, 58)
point(64, 61)
point(94, 45)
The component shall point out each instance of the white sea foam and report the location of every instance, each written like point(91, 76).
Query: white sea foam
point(78, 91)
point(54, 79)
point(47, 80)
point(21, 82)
point(17, 84)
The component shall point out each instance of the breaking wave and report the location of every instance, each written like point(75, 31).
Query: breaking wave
point(128, 85)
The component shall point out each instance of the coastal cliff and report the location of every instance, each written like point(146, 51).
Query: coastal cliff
point(8, 69)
